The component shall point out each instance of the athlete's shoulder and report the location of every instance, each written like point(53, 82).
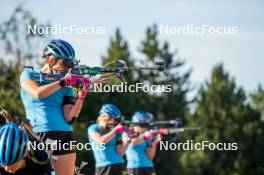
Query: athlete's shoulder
point(93, 128)
point(26, 74)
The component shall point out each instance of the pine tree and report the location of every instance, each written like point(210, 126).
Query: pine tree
point(226, 117)
point(166, 105)
point(173, 104)
point(118, 50)
point(257, 101)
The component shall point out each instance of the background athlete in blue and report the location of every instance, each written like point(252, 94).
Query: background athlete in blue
point(107, 131)
point(51, 108)
point(142, 149)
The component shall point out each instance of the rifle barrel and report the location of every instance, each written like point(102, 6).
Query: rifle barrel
point(182, 129)
point(144, 68)
point(168, 122)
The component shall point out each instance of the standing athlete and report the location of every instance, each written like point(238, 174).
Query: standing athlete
point(52, 107)
point(142, 149)
point(107, 144)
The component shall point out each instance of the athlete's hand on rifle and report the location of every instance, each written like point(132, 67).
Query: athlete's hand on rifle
point(81, 94)
point(86, 83)
point(157, 138)
point(71, 80)
point(119, 129)
point(148, 135)
point(77, 81)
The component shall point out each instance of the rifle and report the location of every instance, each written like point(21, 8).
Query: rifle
point(106, 71)
point(128, 123)
point(160, 127)
point(159, 123)
point(166, 131)
point(119, 69)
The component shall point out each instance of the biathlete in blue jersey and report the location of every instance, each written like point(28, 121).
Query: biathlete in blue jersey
point(142, 149)
point(15, 156)
point(107, 132)
point(52, 107)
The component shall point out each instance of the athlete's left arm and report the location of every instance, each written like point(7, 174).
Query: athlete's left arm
point(122, 145)
point(151, 151)
point(71, 109)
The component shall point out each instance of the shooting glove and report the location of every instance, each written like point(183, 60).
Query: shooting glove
point(71, 80)
point(81, 94)
point(149, 135)
point(119, 129)
point(86, 83)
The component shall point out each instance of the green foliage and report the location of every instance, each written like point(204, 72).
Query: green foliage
point(225, 116)
point(118, 50)
point(9, 88)
point(257, 101)
point(17, 41)
point(165, 105)
point(18, 48)
point(154, 50)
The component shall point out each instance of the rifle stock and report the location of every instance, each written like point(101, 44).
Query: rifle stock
point(11, 119)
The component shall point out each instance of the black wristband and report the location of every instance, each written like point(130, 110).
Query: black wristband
point(69, 100)
point(62, 83)
point(72, 121)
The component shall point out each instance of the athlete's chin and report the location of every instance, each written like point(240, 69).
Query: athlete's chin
point(13, 168)
point(59, 70)
point(10, 169)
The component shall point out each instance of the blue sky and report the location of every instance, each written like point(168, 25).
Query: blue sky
point(241, 54)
